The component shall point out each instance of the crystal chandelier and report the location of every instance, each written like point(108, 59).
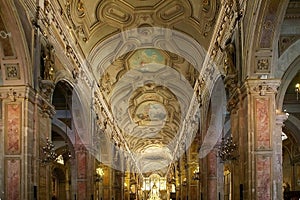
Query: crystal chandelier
point(48, 152)
point(227, 149)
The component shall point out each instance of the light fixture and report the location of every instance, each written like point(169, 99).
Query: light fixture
point(196, 174)
point(297, 90)
point(99, 174)
point(49, 154)
point(227, 149)
point(283, 136)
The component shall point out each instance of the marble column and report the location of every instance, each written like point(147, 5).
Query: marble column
point(212, 175)
point(81, 166)
point(277, 154)
point(259, 141)
point(23, 114)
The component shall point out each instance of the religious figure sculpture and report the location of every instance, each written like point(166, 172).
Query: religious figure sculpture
point(231, 78)
point(229, 61)
point(49, 63)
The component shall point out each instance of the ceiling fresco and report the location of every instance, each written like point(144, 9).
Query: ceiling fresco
point(145, 59)
point(147, 89)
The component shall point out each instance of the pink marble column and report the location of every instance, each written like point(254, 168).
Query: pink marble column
point(81, 165)
point(260, 149)
point(12, 144)
point(212, 176)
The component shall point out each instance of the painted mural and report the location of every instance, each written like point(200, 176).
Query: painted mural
point(151, 113)
point(145, 59)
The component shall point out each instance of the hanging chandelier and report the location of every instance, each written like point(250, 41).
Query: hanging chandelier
point(48, 152)
point(227, 149)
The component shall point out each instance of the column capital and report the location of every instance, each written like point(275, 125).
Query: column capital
point(261, 87)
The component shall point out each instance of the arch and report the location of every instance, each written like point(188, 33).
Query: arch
point(287, 59)
point(293, 125)
point(22, 56)
point(58, 126)
point(263, 34)
point(292, 69)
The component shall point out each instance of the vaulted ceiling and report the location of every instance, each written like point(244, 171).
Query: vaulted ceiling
point(146, 78)
point(146, 57)
point(140, 62)
point(94, 21)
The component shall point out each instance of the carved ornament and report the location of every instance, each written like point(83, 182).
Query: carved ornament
point(46, 109)
point(12, 71)
point(262, 87)
point(262, 65)
point(46, 89)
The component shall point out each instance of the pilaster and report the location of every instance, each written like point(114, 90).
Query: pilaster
point(258, 141)
point(20, 152)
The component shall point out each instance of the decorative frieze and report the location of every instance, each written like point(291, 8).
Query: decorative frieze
point(231, 16)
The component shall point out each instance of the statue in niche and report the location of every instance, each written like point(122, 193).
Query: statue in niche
point(48, 59)
point(229, 61)
point(231, 78)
